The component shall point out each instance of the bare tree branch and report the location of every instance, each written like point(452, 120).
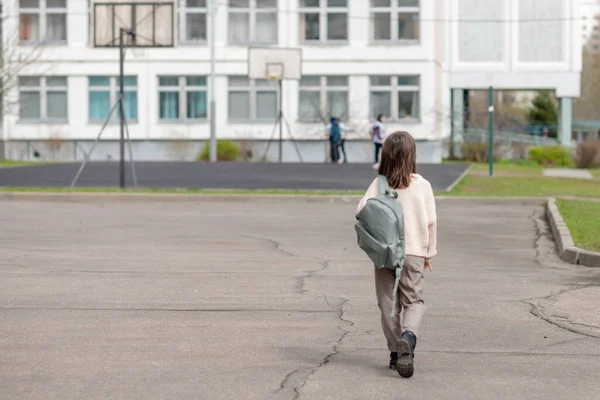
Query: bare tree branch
point(14, 58)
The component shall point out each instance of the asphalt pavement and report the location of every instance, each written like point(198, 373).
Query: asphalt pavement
point(271, 298)
point(219, 175)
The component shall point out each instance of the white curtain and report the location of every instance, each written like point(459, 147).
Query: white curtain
point(56, 27)
point(266, 27)
point(239, 27)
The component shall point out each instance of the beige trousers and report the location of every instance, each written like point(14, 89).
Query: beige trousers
point(409, 299)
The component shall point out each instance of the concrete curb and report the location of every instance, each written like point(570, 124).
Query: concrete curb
point(567, 250)
point(460, 178)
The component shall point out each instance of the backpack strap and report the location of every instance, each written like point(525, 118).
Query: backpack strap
point(395, 295)
point(384, 187)
point(383, 184)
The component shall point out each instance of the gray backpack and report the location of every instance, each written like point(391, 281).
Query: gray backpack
point(380, 231)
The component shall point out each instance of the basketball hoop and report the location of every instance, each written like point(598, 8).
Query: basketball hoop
point(274, 63)
point(147, 23)
point(274, 71)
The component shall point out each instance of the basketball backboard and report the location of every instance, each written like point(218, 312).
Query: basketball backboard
point(151, 23)
point(274, 63)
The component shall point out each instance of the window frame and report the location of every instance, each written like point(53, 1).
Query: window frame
point(324, 89)
point(43, 90)
point(183, 89)
point(252, 10)
point(184, 10)
point(394, 10)
point(42, 11)
point(394, 89)
point(113, 90)
point(323, 10)
point(252, 89)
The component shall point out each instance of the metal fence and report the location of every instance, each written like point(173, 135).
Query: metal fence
point(505, 137)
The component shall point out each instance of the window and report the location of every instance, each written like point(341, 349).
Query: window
point(397, 97)
point(182, 98)
point(252, 21)
point(43, 98)
point(323, 97)
point(43, 21)
point(252, 99)
point(395, 20)
point(104, 94)
point(323, 20)
point(193, 20)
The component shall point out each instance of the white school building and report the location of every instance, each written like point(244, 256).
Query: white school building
point(411, 60)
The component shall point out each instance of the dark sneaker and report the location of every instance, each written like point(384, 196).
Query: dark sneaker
point(393, 359)
point(406, 357)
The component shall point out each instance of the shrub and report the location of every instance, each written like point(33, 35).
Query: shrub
point(520, 163)
point(587, 154)
point(477, 152)
point(227, 150)
point(551, 155)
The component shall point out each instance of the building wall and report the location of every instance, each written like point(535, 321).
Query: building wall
point(358, 59)
point(590, 27)
point(464, 44)
point(539, 49)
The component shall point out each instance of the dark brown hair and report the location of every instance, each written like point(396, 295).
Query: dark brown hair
point(398, 159)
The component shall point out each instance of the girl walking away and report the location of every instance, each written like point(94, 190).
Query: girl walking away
point(415, 195)
point(378, 136)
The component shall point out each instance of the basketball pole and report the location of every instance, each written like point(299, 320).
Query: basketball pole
point(213, 113)
point(280, 121)
point(121, 109)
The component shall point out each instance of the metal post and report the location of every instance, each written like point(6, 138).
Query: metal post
point(87, 155)
point(213, 113)
point(491, 130)
point(458, 118)
point(121, 109)
point(133, 174)
point(565, 121)
point(280, 118)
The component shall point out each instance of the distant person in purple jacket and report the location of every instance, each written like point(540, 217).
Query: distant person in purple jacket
point(378, 136)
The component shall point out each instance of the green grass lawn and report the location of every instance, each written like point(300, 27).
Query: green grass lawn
point(507, 167)
point(524, 187)
point(12, 164)
point(583, 219)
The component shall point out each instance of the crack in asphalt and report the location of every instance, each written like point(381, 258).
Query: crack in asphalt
point(303, 380)
point(562, 322)
point(539, 236)
point(554, 344)
point(544, 240)
point(297, 379)
point(276, 245)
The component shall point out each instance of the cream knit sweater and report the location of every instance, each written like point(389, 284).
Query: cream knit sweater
point(418, 206)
